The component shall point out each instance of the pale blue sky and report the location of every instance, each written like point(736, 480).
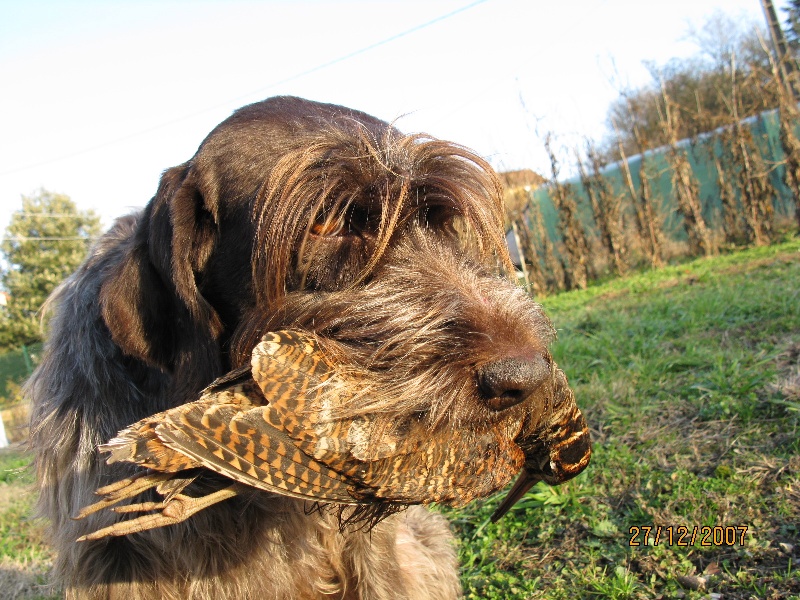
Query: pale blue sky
point(100, 97)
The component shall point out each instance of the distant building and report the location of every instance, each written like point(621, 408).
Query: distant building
point(521, 178)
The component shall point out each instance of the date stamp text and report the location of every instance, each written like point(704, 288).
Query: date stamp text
point(681, 535)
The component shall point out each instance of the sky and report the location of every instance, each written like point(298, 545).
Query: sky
point(98, 98)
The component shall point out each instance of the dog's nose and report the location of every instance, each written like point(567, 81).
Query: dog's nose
point(509, 381)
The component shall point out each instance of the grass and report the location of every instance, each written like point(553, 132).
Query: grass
point(24, 557)
point(690, 379)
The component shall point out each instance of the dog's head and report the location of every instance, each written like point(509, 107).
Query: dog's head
point(309, 216)
point(285, 195)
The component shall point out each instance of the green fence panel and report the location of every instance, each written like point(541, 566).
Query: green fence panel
point(765, 129)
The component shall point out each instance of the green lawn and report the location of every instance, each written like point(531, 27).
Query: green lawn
point(690, 379)
point(24, 558)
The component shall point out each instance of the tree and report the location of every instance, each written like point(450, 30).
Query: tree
point(699, 87)
point(792, 25)
point(45, 241)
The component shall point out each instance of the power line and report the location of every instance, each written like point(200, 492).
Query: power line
point(50, 215)
point(295, 77)
point(47, 239)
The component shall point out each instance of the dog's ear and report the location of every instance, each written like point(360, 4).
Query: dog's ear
point(151, 302)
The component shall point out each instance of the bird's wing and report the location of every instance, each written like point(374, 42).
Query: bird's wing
point(257, 429)
point(140, 444)
point(238, 446)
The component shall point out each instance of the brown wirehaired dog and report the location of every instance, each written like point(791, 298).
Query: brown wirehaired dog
point(312, 217)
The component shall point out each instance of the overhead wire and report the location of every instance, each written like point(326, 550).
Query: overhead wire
point(274, 84)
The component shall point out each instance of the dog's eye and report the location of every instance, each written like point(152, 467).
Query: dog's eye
point(438, 217)
point(328, 227)
point(354, 221)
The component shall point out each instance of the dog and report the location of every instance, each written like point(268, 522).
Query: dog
point(388, 248)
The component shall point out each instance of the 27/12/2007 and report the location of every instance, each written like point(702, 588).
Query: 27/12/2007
point(681, 535)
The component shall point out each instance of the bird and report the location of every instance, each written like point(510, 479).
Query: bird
point(282, 425)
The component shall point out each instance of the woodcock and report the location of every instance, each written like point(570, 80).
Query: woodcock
point(281, 425)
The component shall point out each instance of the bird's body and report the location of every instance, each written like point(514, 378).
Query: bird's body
point(281, 425)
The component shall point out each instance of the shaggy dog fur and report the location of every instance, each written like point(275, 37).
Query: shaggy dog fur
point(292, 214)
